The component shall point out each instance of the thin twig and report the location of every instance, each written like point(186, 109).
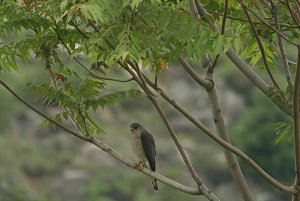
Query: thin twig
point(212, 67)
point(255, 22)
point(77, 126)
point(95, 75)
point(259, 7)
point(80, 31)
point(94, 26)
point(298, 7)
point(266, 4)
point(261, 47)
point(294, 17)
point(281, 47)
point(224, 17)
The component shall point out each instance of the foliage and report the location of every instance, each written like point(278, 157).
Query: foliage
point(113, 32)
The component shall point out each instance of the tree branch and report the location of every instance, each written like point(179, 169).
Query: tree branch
point(257, 81)
point(93, 74)
point(261, 48)
point(294, 17)
point(108, 149)
point(296, 124)
point(255, 22)
point(204, 83)
point(281, 47)
point(231, 159)
point(51, 74)
point(224, 17)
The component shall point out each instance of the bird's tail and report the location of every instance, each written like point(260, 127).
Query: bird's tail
point(154, 184)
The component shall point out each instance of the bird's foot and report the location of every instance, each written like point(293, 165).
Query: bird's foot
point(139, 166)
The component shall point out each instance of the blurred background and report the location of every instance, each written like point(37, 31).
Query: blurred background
point(48, 164)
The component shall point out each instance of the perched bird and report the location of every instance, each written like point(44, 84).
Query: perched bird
point(143, 146)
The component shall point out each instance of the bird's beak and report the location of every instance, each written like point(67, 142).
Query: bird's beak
point(131, 129)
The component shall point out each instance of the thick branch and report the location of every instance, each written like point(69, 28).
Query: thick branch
point(223, 133)
point(257, 80)
point(108, 149)
point(204, 83)
point(221, 129)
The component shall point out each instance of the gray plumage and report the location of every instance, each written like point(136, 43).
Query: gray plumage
point(143, 146)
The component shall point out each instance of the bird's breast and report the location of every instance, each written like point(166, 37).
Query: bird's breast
point(137, 147)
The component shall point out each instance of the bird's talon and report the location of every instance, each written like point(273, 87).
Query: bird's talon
point(139, 166)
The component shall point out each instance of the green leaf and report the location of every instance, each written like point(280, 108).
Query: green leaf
point(284, 132)
point(44, 124)
point(135, 3)
point(64, 4)
point(218, 45)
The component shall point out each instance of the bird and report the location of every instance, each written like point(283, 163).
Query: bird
point(143, 146)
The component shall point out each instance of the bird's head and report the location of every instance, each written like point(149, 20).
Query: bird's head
point(135, 127)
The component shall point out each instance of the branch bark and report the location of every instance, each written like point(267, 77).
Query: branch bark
point(204, 83)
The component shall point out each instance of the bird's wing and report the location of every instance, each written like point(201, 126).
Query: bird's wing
point(149, 148)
